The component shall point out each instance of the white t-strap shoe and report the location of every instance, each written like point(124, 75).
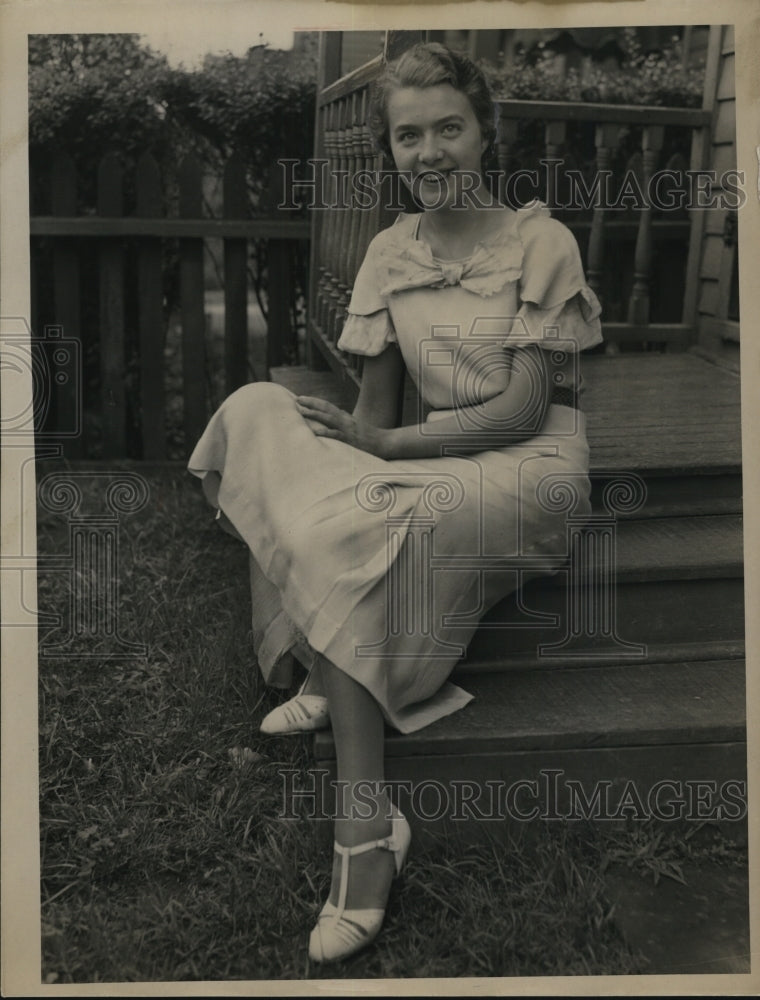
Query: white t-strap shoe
point(304, 713)
point(340, 932)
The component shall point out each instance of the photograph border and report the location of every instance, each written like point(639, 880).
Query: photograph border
point(21, 953)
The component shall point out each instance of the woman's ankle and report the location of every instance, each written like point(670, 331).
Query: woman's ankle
point(364, 814)
point(312, 685)
point(369, 875)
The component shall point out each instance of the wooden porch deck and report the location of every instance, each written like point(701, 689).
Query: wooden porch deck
point(663, 414)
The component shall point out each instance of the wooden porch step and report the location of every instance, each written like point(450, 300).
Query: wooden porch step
point(601, 728)
point(583, 706)
point(673, 419)
point(679, 548)
point(676, 581)
point(686, 494)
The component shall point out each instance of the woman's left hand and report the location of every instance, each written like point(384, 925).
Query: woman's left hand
point(329, 421)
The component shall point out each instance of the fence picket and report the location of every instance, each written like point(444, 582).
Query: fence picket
point(111, 266)
point(235, 279)
point(281, 342)
point(192, 305)
point(150, 204)
point(65, 405)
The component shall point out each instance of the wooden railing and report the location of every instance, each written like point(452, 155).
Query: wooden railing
point(598, 231)
point(131, 270)
point(341, 236)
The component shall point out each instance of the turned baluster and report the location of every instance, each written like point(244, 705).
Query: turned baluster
point(351, 219)
point(369, 216)
point(354, 248)
point(326, 237)
point(336, 279)
point(638, 304)
point(507, 136)
point(359, 216)
point(605, 141)
point(554, 139)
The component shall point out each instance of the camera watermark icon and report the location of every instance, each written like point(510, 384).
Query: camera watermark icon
point(47, 371)
point(90, 627)
point(471, 367)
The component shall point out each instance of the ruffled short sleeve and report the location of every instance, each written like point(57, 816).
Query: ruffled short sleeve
point(558, 309)
point(368, 328)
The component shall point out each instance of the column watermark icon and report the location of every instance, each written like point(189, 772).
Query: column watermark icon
point(90, 560)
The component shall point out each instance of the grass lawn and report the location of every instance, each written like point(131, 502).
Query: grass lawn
point(163, 856)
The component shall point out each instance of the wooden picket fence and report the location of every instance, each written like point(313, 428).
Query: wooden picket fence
point(146, 233)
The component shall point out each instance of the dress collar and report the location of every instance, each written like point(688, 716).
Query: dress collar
point(408, 262)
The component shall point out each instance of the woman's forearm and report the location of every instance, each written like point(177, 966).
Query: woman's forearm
point(468, 430)
point(513, 415)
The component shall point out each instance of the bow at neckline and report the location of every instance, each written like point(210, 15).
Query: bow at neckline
point(409, 262)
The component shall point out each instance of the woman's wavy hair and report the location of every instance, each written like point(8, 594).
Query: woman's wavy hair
point(428, 64)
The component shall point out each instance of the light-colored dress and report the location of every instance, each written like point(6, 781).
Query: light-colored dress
point(385, 567)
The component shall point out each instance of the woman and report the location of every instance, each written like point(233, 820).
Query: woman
point(486, 308)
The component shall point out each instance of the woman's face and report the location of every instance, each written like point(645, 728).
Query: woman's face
point(435, 139)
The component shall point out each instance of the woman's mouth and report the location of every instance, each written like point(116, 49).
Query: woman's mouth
point(434, 178)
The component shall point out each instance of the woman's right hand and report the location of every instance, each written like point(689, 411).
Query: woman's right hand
point(329, 421)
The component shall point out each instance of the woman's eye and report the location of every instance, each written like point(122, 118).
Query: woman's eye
point(451, 128)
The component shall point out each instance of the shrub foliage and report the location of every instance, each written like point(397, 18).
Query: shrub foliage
point(657, 78)
point(94, 94)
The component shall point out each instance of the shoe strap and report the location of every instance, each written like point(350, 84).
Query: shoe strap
point(389, 843)
point(302, 701)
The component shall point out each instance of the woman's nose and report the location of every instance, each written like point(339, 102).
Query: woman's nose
point(430, 150)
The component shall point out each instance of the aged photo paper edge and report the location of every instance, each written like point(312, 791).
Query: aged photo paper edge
point(20, 838)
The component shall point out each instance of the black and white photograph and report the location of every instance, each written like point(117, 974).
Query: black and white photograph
point(377, 559)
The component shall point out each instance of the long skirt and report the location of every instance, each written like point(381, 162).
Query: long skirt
point(385, 567)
